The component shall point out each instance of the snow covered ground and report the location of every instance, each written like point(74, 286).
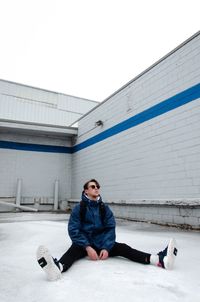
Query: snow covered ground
point(117, 279)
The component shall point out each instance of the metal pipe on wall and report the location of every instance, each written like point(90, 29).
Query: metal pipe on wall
point(56, 189)
point(18, 194)
point(4, 203)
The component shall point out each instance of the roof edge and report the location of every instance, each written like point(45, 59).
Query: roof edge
point(36, 124)
point(141, 74)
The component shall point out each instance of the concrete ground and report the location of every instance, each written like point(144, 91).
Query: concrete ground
point(117, 279)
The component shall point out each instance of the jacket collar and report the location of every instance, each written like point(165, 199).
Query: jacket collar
point(86, 199)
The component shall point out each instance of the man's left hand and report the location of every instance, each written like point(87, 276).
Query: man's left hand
point(103, 255)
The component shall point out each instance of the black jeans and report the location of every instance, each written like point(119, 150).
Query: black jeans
point(76, 252)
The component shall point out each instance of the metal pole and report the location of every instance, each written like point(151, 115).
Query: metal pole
point(56, 195)
point(18, 194)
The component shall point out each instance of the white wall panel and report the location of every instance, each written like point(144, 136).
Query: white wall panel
point(14, 109)
point(28, 93)
point(73, 104)
point(28, 104)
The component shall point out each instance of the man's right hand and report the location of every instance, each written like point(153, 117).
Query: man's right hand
point(92, 254)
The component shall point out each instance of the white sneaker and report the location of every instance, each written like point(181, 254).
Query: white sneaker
point(50, 265)
point(167, 256)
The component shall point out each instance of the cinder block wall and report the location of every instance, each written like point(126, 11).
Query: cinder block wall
point(157, 157)
point(165, 212)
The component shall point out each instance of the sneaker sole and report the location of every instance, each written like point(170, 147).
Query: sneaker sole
point(46, 262)
point(171, 254)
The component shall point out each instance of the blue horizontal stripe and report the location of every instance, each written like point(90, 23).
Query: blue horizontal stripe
point(169, 104)
point(34, 147)
point(165, 106)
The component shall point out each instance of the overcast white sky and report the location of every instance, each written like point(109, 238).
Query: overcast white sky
point(89, 48)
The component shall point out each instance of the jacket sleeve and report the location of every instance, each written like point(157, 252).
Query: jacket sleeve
point(109, 233)
point(74, 228)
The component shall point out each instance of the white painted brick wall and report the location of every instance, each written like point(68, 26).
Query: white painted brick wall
point(38, 170)
point(156, 159)
point(176, 73)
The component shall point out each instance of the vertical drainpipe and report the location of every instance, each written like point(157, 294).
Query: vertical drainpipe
point(18, 194)
point(56, 195)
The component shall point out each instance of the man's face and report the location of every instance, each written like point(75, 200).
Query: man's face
point(92, 191)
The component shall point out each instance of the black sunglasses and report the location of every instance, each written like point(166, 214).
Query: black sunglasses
point(94, 187)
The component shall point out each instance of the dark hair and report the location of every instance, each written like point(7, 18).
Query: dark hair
point(85, 187)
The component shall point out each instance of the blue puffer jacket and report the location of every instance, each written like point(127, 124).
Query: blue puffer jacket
point(92, 232)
